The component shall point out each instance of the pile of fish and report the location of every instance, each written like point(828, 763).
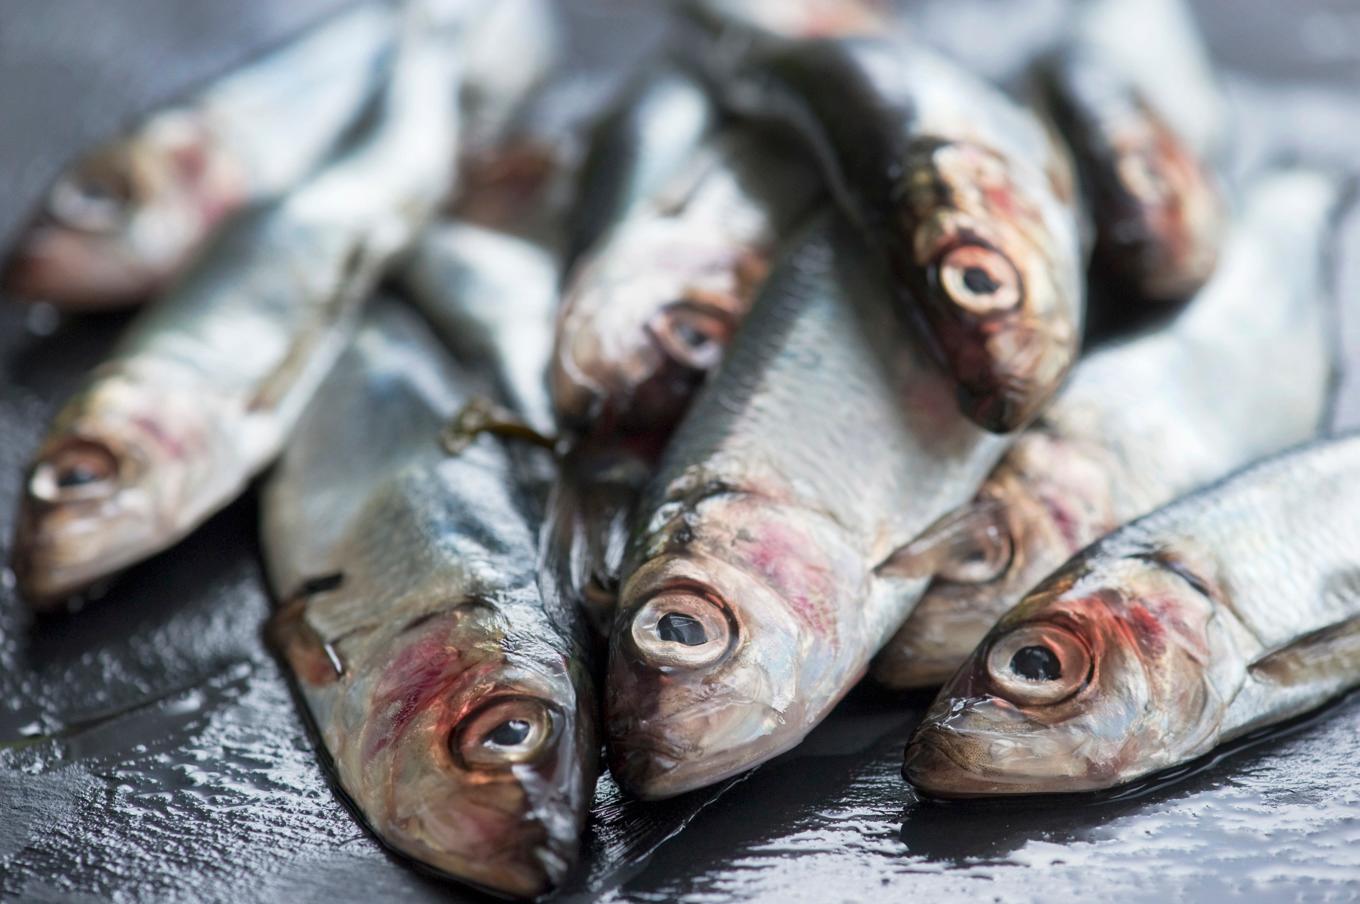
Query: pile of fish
point(654, 430)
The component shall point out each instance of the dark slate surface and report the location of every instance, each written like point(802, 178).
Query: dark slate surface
point(150, 748)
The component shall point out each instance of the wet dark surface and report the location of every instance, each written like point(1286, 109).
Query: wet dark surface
point(150, 748)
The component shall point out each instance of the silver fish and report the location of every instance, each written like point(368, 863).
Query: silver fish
point(1143, 422)
point(967, 195)
point(453, 698)
point(128, 216)
point(205, 386)
point(509, 50)
point(1227, 611)
point(492, 298)
point(647, 314)
point(1157, 207)
point(750, 602)
point(655, 123)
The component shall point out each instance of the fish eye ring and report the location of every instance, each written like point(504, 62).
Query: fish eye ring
point(681, 628)
point(1038, 664)
point(504, 732)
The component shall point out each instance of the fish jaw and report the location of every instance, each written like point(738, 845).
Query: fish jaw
point(645, 319)
point(1141, 676)
point(780, 647)
point(410, 735)
point(113, 483)
point(122, 222)
point(991, 256)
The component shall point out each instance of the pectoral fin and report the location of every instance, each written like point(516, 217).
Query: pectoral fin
point(1330, 655)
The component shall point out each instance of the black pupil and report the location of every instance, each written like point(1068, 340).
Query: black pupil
point(509, 734)
point(1036, 664)
point(76, 476)
point(979, 281)
point(676, 628)
point(691, 336)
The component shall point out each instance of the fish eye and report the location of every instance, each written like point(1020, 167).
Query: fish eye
point(979, 279)
point(504, 732)
point(78, 469)
point(681, 629)
point(983, 555)
point(691, 334)
point(1038, 664)
point(92, 198)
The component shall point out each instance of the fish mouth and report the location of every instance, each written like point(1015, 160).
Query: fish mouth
point(935, 767)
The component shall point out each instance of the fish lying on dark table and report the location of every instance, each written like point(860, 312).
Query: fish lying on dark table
point(452, 696)
point(1229, 610)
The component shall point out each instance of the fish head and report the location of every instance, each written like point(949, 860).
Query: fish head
point(1168, 217)
point(1046, 500)
point(1104, 673)
point(643, 322)
point(725, 652)
point(119, 222)
point(107, 487)
point(1001, 280)
point(474, 761)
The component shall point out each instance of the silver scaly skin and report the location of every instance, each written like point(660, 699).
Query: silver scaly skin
point(128, 216)
point(657, 120)
point(492, 298)
point(452, 696)
point(1145, 421)
point(967, 195)
point(205, 386)
point(1229, 610)
point(750, 602)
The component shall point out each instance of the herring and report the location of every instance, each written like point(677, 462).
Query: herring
point(1157, 206)
point(1143, 422)
point(750, 602)
point(453, 697)
point(204, 387)
point(125, 218)
point(968, 196)
point(1228, 611)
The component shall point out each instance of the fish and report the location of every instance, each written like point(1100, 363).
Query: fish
point(204, 387)
point(1228, 611)
point(453, 698)
point(1143, 421)
point(496, 83)
point(749, 602)
point(647, 314)
point(1157, 206)
point(492, 297)
point(967, 195)
point(125, 218)
point(645, 317)
point(643, 136)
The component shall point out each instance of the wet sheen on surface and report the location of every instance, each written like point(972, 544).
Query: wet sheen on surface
point(151, 749)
